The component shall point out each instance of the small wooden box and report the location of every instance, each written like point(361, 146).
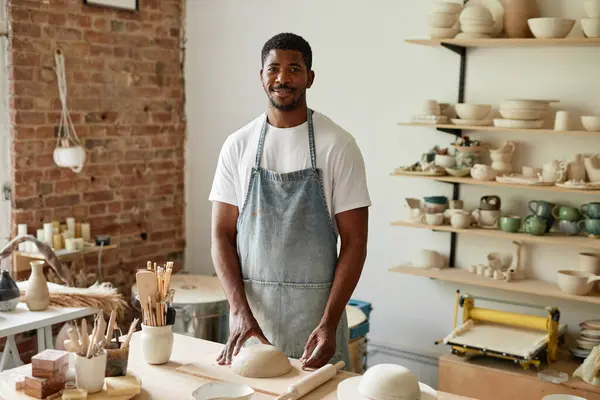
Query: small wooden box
point(48, 363)
point(41, 388)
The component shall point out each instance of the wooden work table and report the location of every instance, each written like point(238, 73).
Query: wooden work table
point(487, 378)
point(162, 382)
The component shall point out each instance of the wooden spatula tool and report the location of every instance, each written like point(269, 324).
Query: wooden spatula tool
point(312, 381)
point(147, 286)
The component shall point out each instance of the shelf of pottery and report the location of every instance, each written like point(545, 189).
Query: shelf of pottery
point(516, 19)
point(465, 161)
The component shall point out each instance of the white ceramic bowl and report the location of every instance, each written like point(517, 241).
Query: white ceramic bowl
point(444, 161)
point(476, 14)
point(550, 27)
point(591, 123)
point(441, 20)
point(592, 8)
point(525, 104)
point(223, 390)
point(443, 33)
point(591, 27)
point(513, 113)
point(477, 28)
point(472, 111)
point(575, 282)
point(447, 7)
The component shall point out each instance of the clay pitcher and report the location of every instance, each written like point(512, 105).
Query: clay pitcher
point(37, 295)
point(516, 14)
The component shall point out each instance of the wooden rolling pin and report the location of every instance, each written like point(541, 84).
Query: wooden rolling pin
point(312, 381)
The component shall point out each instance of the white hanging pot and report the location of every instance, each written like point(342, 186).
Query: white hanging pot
point(72, 157)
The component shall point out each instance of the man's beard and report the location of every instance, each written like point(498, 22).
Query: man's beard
point(287, 107)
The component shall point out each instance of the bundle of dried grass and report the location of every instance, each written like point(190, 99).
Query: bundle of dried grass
point(103, 296)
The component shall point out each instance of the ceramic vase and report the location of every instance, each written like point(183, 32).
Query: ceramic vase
point(516, 14)
point(9, 292)
point(576, 169)
point(157, 343)
point(37, 296)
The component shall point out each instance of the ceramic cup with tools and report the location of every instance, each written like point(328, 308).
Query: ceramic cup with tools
point(591, 210)
point(566, 213)
point(535, 225)
point(490, 203)
point(510, 223)
point(590, 226)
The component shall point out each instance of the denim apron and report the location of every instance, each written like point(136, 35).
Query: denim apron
point(287, 246)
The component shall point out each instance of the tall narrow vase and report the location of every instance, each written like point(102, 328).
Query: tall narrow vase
point(516, 14)
point(37, 296)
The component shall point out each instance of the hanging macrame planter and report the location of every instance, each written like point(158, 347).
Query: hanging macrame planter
point(69, 153)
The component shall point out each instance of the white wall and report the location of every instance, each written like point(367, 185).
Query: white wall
point(368, 80)
point(5, 166)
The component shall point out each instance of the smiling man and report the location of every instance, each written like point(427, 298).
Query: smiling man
point(286, 187)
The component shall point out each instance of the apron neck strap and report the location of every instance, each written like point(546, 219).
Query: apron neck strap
point(311, 140)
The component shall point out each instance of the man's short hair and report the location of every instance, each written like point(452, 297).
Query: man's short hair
point(288, 41)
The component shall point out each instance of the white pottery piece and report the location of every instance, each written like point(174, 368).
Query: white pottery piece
point(554, 171)
point(482, 172)
point(486, 218)
point(518, 123)
point(429, 259)
point(445, 161)
point(223, 390)
point(89, 372)
point(157, 343)
point(461, 219)
point(562, 121)
point(434, 219)
point(591, 123)
point(592, 167)
point(72, 157)
point(503, 168)
point(590, 262)
point(37, 295)
point(576, 282)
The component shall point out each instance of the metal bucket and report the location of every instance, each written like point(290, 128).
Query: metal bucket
point(202, 310)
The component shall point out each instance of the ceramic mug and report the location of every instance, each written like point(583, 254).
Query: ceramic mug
point(434, 219)
point(569, 227)
point(510, 223)
point(531, 172)
point(591, 210)
point(567, 213)
point(461, 219)
point(486, 218)
point(590, 226)
point(589, 262)
point(541, 208)
point(535, 225)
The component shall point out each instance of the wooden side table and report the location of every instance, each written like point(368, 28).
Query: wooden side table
point(494, 379)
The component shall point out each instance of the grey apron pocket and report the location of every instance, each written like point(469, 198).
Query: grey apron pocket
point(265, 303)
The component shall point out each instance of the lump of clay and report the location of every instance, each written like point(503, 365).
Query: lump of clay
point(261, 361)
point(389, 381)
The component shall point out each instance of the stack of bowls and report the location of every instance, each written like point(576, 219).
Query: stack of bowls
point(590, 338)
point(443, 20)
point(476, 22)
point(522, 114)
point(591, 24)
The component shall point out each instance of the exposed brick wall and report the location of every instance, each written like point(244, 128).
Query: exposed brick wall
point(126, 98)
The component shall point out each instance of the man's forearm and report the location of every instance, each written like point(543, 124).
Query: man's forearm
point(348, 270)
point(227, 266)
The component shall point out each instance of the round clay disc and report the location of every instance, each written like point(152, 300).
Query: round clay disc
point(348, 390)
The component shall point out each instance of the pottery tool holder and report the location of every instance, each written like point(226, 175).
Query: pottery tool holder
point(519, 337)
point(155, 294)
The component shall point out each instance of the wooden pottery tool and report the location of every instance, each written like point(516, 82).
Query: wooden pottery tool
point(147, 292)
point(312, 381)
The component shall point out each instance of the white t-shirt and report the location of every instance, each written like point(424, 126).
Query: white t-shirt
point(287, 150)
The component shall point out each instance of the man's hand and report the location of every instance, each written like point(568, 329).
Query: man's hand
point(320, 347)
point(244, 326)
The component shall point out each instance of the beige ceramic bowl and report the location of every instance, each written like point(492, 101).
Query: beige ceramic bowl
point(472, 111)
point(592, 8)
point(476, 14)
point(477, 28)
point(550, 27)
point(513, 113)
point(441, 20)
point(447, 7)
point(525, 104)
point(591, 27)
point(591, 123)
point(443, 33)
point(576, 282)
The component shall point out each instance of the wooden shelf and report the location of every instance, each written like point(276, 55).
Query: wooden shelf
point(527, 286)
point(65, 254)
point(471, 181)
point(496, 129)
point(501, 42)
point(551, 238)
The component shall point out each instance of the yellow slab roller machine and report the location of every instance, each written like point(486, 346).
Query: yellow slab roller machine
point(522, 338)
